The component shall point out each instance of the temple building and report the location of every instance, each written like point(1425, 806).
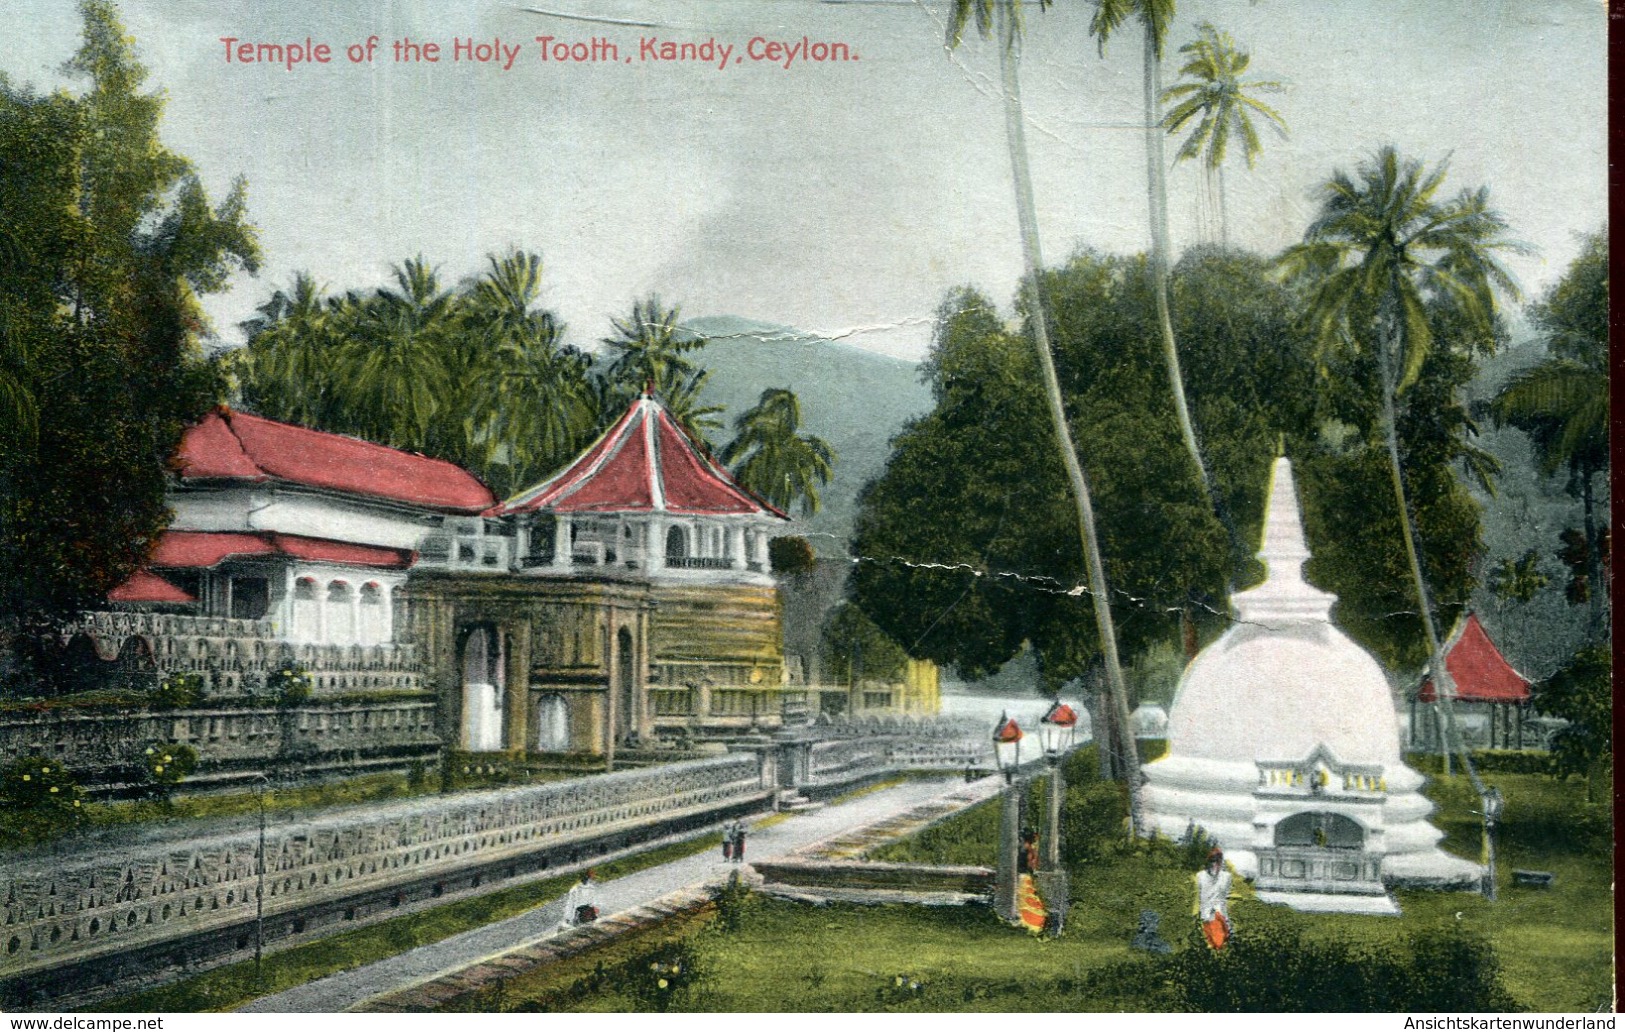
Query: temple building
point(1491, 698)
point(1284, 746)
point(623, 603)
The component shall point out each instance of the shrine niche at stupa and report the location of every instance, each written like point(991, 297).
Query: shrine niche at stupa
point(1284, 746)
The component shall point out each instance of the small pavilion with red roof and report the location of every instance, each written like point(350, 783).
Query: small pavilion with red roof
point(645, 499)
point(1484, 682)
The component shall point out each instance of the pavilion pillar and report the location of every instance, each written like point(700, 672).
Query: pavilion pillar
point(736, 547)
point(562, 547)
point(517, 686)
point(655, 530)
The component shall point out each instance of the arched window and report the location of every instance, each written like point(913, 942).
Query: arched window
point(1326, 830)
point(306, 610)
point(339, 615)
point(374, 615)
point(676, 544)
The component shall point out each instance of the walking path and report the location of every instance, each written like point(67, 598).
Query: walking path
point(442, 969)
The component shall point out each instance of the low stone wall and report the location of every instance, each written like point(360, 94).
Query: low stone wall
point(852, 874)
point(101, 747)
point(62, 912)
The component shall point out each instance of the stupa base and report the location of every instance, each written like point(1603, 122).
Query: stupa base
point(1332, 903)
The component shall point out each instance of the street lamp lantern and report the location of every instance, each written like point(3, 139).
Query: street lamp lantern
point(1007, 736)
point(1057, 729)
point(1492, 803)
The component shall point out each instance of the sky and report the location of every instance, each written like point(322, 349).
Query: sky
point(843, 198)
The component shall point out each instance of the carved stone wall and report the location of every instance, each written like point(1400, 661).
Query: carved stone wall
point(63, 910)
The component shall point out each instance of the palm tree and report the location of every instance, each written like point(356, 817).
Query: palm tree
point(287, 370)
point(1156, 16)
point(1563, 403)
point(1002, 19)
point(1381, 251)
point(769, 457)
point(1218, 94)
point(394, 356)
point(650, 352)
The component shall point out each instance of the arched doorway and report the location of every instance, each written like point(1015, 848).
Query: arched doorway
point(483, 681)
point(1323, 830)
point(552, 723)
point(625, 686)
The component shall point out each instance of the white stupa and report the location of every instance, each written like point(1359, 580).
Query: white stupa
point(1284, 746)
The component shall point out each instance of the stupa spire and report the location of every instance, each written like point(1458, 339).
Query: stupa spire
point(1284, 597)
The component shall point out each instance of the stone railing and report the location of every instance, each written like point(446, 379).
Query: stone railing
point(72, 908)
point(236, 656)
point(96, 745)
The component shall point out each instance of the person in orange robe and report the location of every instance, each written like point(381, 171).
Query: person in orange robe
point(1213, 885)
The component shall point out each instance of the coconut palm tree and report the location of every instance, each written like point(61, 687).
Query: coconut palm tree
point(394, 355)
point(769, 455)
point(287, 370)
point(1380, 252)
point(1563, 403)
point(1156, 16)
point(650, 352)
point(1218, 93)
point(1001, 20)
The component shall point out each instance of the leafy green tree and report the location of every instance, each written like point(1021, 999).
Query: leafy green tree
point(1563, 402)
point(856, 650)
point(1519, 579)
point(1002, 19)
point(1380, 254)
point(111, 240)
point(1582, 694)
point(770, 457)
point(1156, 17)
point(1216, 97)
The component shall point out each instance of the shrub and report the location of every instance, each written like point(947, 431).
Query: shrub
point(178, 690)
point(165, 765)
point(790, 554)
point(40, 799)
point(289, 685)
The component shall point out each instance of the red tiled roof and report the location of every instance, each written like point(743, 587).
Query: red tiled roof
point(1481, 673)
point(193, 549)
point(144, 586)
point(229, 445)
point(644, 463)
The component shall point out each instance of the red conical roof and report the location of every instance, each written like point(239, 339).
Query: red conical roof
point(1481, 673)
point(644, 463)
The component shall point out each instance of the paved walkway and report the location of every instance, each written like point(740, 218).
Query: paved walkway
point(841, 827)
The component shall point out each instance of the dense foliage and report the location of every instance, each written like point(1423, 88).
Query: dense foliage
point(107, 240)
point(995, 563)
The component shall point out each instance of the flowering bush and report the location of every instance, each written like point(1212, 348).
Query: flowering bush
point(40, 798)
point(178, 690)
point(166, 765)
point(290, 684)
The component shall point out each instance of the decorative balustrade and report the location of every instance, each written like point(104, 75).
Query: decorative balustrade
point(236, 656)
point(60, 910)
point(95, 742)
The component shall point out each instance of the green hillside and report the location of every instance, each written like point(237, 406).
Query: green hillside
point(854, 399)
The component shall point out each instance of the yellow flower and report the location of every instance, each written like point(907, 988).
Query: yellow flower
point(662, 983)
point(150, 750)
point(76, 802)
point(28, 777)
point(167, 758)
point(53, 790)
point(158, 769)
point(45, 770)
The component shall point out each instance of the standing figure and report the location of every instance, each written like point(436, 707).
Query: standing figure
point(729, 830)
point(1027, 857)
point(739, 842)
point(581, 902)
point(1212, 900)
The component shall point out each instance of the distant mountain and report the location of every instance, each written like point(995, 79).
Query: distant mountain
point(854, 399)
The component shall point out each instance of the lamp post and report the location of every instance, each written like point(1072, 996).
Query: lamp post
point(1007, 737)
point(1493, 803)
point(259, 892)
point(1057, 729)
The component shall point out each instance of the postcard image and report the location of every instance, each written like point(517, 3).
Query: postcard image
point(883, 506)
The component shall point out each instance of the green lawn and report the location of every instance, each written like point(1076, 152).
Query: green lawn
point(1545, 950)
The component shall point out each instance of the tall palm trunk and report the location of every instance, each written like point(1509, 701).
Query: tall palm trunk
point(1157, 198)
point(1027, 216)
point(1444, 686)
